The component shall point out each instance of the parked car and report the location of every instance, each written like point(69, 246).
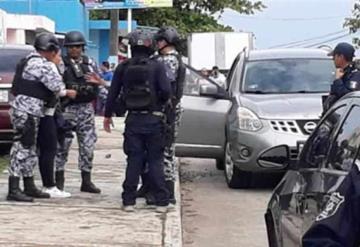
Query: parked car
point(326, 158)
point(273, 97)
point(10, 55)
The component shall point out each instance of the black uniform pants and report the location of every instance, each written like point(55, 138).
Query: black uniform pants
point(47, 143)
point(144, 144)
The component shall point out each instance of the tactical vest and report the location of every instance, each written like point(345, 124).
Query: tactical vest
point(74, 78)
point(138, 93)
point(177, 86)
point(31, 88)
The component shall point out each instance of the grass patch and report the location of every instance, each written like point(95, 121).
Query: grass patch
point(3, 163)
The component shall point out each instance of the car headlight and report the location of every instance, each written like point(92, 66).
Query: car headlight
point(248, 120)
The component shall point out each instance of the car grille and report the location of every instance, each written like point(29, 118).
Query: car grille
point(307, 126)
point(294, 126)
point(285, 126)
point(294, 153)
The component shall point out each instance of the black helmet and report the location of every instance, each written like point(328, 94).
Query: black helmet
point(46, 42)
point(141, 38)
point(74, 38)
point(169, 34)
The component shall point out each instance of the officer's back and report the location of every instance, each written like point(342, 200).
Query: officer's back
point(143, 84)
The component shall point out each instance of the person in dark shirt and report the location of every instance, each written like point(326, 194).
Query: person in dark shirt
point(145, 90)
point(347, 75)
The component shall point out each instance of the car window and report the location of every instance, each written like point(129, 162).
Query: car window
point(9, 58)
point(234, 67)
point(288, 76)
point(317, 147)
point(344, 148)
point(193, 81)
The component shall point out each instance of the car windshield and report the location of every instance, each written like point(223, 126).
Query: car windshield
point(289, 76)
point(10, 57)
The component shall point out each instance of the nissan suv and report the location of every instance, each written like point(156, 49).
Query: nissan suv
point(273, 97)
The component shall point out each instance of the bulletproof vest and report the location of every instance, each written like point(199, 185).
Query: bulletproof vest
point(74, 78)
point(31, 88)
point(180, 79)
point(178, 85)
point(138, 92)
point(340, 89)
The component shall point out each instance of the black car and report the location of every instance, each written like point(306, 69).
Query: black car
point(326, 158)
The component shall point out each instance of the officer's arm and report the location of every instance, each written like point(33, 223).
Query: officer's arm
point(164, 84)
point(115, 88)
point(52, 79)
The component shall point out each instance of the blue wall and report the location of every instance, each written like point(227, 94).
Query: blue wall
point(67, 14)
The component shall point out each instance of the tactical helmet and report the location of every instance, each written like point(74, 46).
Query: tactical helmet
point(169, 34)
point(140, 38)
point(74, 38)
point(46, 42)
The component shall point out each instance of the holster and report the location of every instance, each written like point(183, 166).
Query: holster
point(28, 133)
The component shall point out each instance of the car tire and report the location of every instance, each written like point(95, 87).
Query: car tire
point(235, 178)
point(220, 164)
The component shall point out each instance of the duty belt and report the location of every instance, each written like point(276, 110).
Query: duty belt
point(155, 113)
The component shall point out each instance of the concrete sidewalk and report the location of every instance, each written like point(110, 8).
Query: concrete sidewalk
point(87, 219)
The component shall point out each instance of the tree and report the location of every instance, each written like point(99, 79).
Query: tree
point(189, 15)
point(353, 23)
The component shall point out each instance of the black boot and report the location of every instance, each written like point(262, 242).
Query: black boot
point(60, 179)
point(31, 190)
point(170, 187)
point(87, 185)
point(15, 194)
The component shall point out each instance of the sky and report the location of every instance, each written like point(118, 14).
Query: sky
point(286, 21)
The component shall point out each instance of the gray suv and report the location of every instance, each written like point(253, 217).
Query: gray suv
point(273, 97)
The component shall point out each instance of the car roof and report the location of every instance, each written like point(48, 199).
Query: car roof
point(287, 53)
point(16, 47)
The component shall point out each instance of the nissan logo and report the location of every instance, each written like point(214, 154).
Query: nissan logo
point(309, 127)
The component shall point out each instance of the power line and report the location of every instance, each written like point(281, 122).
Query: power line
point(300, 42)
point(292, 18)
point(329, 40)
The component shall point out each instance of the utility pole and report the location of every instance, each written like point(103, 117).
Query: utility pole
point(114, 32)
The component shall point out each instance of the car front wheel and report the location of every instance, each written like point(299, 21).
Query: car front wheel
point(235, 178)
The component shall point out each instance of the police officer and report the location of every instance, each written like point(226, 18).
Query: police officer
point(145, 90)
point(79, 74)
point(36, 85)
point(347, 75)
point(167, 38)
point(338, 224)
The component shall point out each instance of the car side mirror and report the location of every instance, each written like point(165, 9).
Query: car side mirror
point(209, 90)
point(275, 158)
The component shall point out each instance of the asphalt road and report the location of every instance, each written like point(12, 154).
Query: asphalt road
point(214, 215)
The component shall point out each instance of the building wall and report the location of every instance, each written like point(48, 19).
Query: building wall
point(67, 14)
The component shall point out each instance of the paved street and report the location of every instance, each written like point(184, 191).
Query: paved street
point(214, 215)
point(87, 219)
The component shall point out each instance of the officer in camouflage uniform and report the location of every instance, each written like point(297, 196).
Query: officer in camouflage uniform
point(166, 39)
point(79, 74)
point(36, 85)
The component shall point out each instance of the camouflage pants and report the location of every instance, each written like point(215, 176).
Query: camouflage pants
point(23, 154)
point(81, 118)
point(169, 152)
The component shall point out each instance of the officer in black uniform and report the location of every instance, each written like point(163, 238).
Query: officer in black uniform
point(145, 89)
point(347, 75)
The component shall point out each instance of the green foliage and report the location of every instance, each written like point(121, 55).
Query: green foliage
point(187, 15)
point(353, 22)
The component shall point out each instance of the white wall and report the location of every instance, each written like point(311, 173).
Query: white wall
point(13, 26)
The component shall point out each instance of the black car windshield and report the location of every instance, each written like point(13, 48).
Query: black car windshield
point(10, 57)
point(288, 76)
